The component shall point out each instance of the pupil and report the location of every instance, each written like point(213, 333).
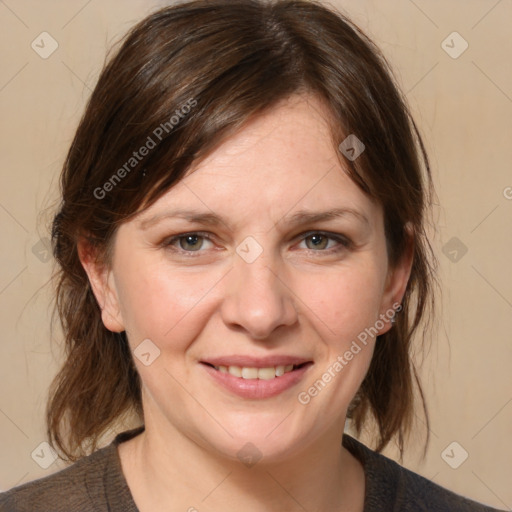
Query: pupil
point(318, 240)
point(191, 240)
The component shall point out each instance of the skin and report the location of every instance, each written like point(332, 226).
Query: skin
point(297, 298)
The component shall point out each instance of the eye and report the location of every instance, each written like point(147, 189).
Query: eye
point(316, 241)
point(319, 241)
point(188, 242)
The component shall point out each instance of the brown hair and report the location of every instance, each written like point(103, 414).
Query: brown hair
point(228, 61)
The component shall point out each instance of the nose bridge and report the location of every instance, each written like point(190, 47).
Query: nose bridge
point(257, 299)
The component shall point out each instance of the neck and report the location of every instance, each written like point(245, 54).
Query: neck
point(172, 472)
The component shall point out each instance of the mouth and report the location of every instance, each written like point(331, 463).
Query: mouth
point(256, 379)
point(258, 373)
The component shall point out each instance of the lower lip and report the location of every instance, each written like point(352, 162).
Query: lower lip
point(257, 388)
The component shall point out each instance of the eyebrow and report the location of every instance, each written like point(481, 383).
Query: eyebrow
point(300, 217)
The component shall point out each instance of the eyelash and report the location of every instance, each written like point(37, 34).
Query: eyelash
point(344, 242)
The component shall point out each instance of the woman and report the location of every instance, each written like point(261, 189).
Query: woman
point(243, 264)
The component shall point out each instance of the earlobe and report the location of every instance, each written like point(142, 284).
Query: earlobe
point(103, 286)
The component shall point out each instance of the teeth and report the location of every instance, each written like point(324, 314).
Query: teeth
point(235, 370)
point(256, 373)
point(266, 373)
point(249, 373)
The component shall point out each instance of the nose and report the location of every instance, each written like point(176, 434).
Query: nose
point(258, 299)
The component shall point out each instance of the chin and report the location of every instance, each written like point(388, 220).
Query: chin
point(267, 441)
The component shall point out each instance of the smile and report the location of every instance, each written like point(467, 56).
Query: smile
point(260, 382)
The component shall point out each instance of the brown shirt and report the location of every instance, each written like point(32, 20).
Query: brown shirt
point(96, 484)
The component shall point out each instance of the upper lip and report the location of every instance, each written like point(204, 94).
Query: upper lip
point(255, 362)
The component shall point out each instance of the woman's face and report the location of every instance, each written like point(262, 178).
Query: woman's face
point(245, 280)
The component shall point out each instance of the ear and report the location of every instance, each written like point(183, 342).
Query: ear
point(103, 286)
point(397, 279)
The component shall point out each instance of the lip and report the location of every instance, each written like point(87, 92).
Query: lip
point(255, 362)
point(256, 388)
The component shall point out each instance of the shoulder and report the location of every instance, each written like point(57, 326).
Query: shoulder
point(390, 486)
point(76, 488)
point(419, 493)
point(92, 483)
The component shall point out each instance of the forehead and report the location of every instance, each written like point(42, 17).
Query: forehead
point(294, 129)
point(281, 161)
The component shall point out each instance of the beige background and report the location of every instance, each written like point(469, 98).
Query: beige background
point(463, 107)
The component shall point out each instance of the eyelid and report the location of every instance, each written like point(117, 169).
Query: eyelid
point(335, 236)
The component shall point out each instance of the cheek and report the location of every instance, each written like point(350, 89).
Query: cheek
point(163, 304)
point(342, 306)
point(344, 303)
